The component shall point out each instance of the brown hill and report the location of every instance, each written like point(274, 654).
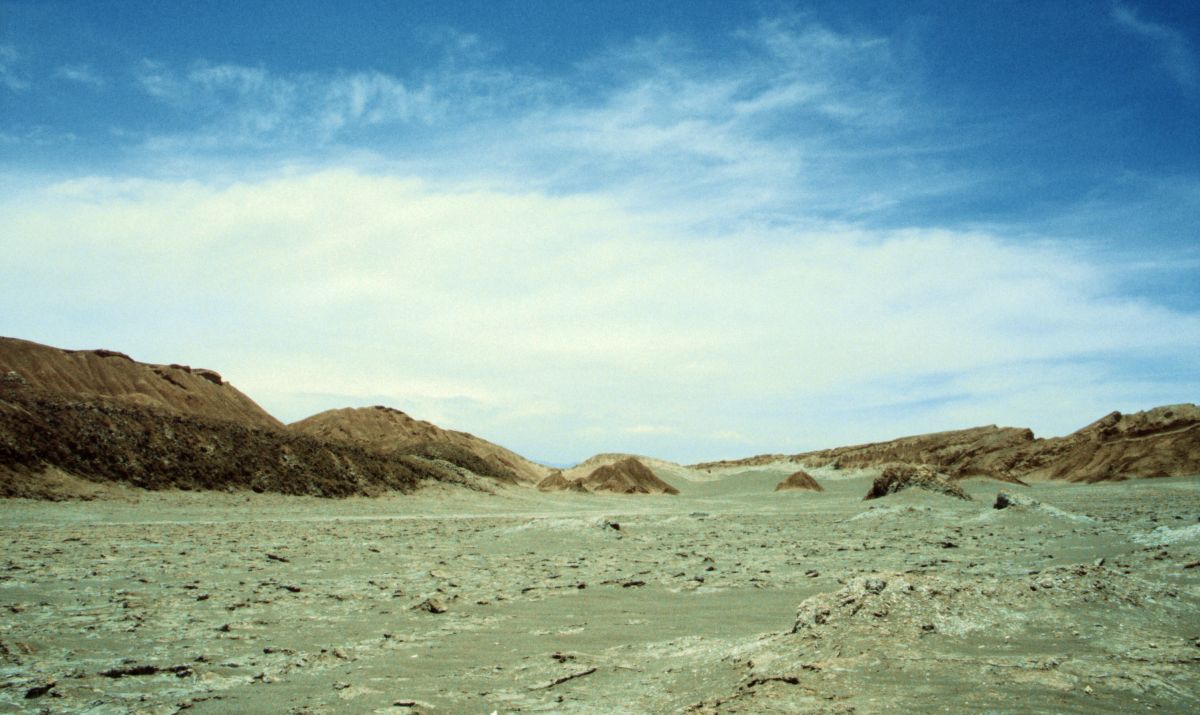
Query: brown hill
point(390, 430)
point(46, 435)
point(104, 373)
point(801, 480)
point(627, 476)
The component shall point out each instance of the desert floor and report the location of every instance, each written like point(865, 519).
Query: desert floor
point(727, 598)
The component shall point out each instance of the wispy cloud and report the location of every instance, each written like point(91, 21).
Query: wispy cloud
point(248, 105)
point(1174, 51)
point(11, 78)
point(83, 74)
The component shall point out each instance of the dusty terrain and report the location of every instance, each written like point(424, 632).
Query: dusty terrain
point(726, 598)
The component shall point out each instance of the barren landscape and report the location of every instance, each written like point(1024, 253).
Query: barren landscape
point(169, 547)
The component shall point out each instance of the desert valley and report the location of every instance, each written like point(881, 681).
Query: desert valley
point(169, 546)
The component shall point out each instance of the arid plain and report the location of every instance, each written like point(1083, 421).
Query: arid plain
point(727, 598)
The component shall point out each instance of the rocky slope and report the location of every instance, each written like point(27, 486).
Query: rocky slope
point(104, 373)
point(390, 430)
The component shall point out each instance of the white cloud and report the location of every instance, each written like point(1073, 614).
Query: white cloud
point(82, 74)
point(1174, 50)
point(473, 305)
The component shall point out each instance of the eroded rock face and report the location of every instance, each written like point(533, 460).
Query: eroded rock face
point(800, 481)
point(898, 477)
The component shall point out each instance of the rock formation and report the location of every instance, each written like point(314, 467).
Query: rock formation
point(898, 477)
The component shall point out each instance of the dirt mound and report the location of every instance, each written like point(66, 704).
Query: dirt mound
point(801, 480)
point(556, 482)
point(105, 373)
point(898, 477)
point(627, 476)
point(45, 435)
point(390, 430)
point(1162, 442)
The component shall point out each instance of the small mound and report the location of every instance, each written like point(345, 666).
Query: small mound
point(898, 477)
point(627, 476)
point(801, 480)
point(556, 482)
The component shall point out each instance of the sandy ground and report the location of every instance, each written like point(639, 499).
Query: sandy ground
point(727, 598)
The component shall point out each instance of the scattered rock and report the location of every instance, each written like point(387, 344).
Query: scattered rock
point(432, 605)
point(38, 691)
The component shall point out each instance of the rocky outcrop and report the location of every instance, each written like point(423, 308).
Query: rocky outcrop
point(390, 430)
point(800, 481)
point(898, 477)
point(627, 476)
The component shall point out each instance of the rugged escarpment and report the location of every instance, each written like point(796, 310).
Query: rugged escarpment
point(105, 373)
point(390, 430)
point(104, 439)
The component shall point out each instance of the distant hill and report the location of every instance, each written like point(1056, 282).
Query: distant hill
point(102, 417)
point(1161, 442)
point(391, 430)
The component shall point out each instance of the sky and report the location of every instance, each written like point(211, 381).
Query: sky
point(693, 230)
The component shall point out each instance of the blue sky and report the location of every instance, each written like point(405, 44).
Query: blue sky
point(695, 230)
